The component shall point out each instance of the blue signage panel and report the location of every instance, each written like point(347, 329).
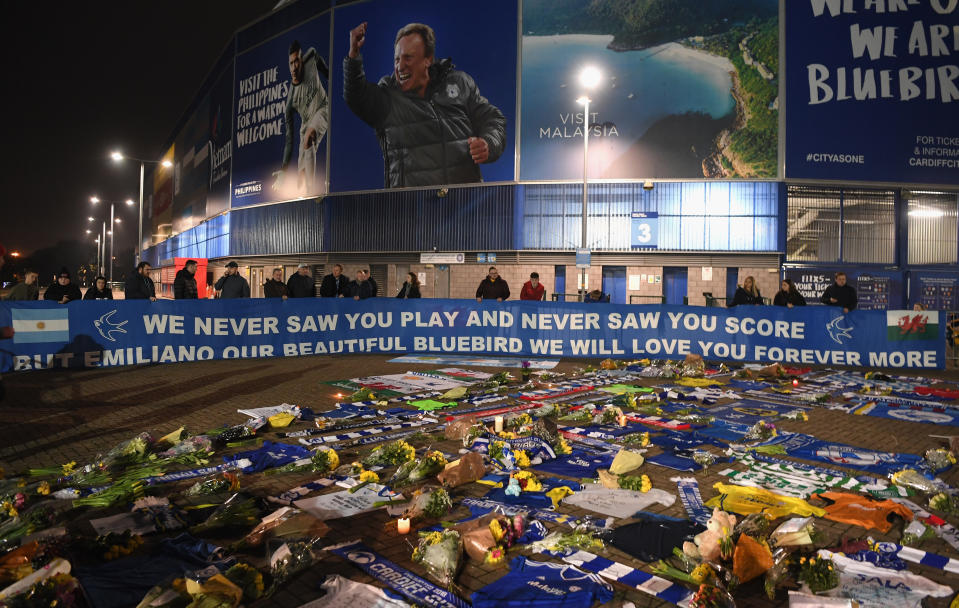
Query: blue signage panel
point(92, 334)
point(876, 289)
point(872, 91)
point(644, 230)
point(582, 258)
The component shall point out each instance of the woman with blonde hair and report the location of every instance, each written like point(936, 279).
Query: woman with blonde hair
point(748, 293)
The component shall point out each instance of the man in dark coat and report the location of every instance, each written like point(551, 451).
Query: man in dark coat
point(184, 284)
point(840, 294)
point(300, 284)
point(140, 286)
point(63, 290)
point(334, 284)
point(231, 285)
point(492, 287)
point(275, 287)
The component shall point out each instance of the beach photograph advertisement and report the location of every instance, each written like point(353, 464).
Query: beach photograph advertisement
point(873, 91)
point(480, 43)
point(687, 89)
point(281, 116)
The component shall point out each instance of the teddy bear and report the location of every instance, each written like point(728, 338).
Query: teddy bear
point(708, 544)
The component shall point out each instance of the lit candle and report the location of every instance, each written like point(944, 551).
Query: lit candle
point(498, 424)
point(622, 420)
point(403, 525)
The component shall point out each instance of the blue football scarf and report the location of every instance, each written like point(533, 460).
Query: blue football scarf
point(269, 455)
point(578, 464)
point(724, 430)
point(545, 584)
point(339, 427)
point(534, 446)
point(916, 556)
point(192, 473)
point(811, 448)
point(637, 579)
point(412, 587)
point(910, 413)
point(368, 432)
point(689, 495)
point(287, 498)
point(482, 506)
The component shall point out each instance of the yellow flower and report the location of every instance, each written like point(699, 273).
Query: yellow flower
point(522, 458)
point(68, 468)
point(802, 560)
point(43, 488)
point(369, 476)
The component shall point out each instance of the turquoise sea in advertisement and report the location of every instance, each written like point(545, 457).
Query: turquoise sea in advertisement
point(685, 94)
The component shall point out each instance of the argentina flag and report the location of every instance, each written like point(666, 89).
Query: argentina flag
point(35, 325)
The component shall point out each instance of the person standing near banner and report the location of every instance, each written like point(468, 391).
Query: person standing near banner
point(492, 287)
point(184, 284)
point(275, 287)
point(140, 285)
point(27, 290)
point(788, 295)
point(231, 285)
point(411, 287)
point(334, 284)
point(99, 290)
point(748, 293)
point(300, 284)
point(63, 290)
point(532, 289)
point(840, 294)
point(360, 289)
point(433, 125)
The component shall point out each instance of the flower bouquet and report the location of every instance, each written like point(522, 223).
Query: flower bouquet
point(761, 431)
point(440, 553)
point(639, 440)
point(429, 502)
point(910, 478)
point(221, 482)
point(561, 447)
point(563, 542)
point(393, 453)
point(945, 503)
point(289, 558)
point(285, 522)
point(237, 512)
point(247, 578)
point(939, 459)
point(639, 483)
point(819, 574)
point(432, 463)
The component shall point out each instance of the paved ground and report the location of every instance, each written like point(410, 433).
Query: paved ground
point(50, 418)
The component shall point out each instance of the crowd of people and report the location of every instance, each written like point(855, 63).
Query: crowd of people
point(139, 286)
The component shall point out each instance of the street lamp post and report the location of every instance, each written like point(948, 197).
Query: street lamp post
point(113, 222)
point(589, 78)
point(118, 156)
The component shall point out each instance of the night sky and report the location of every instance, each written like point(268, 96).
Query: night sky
point(82, 79)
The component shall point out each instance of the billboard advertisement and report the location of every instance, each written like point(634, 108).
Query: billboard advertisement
point(686, 90)
point(191, 169)
point(281, 117)
point(220, 133)
point(437, 118)
point(873, 91)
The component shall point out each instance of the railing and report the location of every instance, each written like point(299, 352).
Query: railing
point(636, 299)
point(717, 302)
point(952, 338)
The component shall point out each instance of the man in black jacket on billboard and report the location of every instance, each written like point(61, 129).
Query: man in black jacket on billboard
point(433, 125)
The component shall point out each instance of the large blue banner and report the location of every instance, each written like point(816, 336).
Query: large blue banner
point(873, 91)
point(111, 333)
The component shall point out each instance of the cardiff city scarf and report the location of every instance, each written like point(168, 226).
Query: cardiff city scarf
point(693, 503)
point(482, 506)
point(916, 556)
point(812, 448)
point(412, 587)
point(287, 498)
point(911, 413)
point(637, 579)
point(366, 433)
point(339, 427)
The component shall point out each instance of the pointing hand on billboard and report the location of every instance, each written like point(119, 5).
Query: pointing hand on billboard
point(357, 38)
point(479, 149)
